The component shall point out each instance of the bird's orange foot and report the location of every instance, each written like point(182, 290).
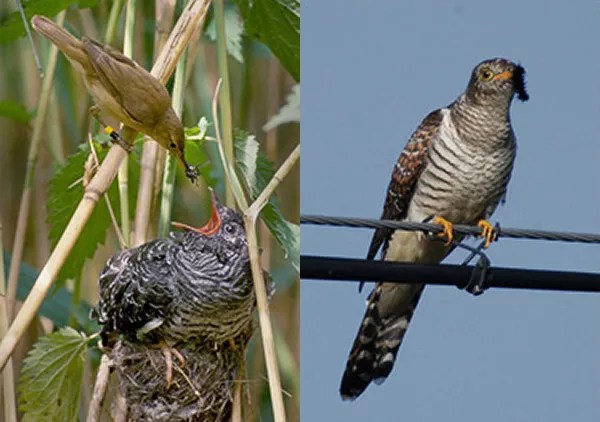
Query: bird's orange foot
point(168, 353)
point(447, 233)
point(488, 233)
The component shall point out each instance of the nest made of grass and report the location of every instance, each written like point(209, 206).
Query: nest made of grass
point(201, 389)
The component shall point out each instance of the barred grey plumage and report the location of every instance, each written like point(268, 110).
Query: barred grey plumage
point(195, 285)
point(456, 166)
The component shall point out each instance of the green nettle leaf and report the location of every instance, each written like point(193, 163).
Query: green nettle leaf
point(290, 112)
point(257, 171)
point(66, 192)
point(275, 23)
point(234, 29)
point(50, 381)
point(15, 111)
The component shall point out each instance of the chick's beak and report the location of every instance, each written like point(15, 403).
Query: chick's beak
point(212, 226)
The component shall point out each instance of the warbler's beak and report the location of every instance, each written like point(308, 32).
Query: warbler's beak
point(504, 75)
point(214, 224)
point(191, 172)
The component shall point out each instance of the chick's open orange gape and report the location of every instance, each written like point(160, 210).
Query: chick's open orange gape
point(122, 89)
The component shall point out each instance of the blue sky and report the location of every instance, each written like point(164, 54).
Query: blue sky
point(371, 71)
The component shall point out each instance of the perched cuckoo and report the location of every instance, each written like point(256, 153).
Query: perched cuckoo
point(454, 169)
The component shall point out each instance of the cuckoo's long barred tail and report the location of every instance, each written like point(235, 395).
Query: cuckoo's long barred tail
point(376, 345)
point(456, 167)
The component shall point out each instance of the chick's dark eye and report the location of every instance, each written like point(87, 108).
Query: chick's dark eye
point(173, 145)
point(229, 228)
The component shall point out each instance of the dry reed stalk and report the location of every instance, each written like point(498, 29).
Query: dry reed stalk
point(250, 217)
point(36, 137)
point(165, 10)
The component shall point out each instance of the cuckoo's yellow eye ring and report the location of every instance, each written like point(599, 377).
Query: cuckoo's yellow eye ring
point(486, 74)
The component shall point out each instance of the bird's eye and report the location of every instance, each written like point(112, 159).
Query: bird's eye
point(173, 145)
point(486, 75)
point(229, 228)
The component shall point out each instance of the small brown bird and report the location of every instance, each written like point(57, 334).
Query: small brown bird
point(122, 89)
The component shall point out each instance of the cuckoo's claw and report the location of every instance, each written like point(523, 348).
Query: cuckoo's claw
point(447, 233)
point(489, 233)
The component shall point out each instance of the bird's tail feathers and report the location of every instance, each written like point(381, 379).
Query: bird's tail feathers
point(67, 43)
point(376, 345)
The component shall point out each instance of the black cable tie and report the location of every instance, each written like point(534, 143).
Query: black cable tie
point(478, 282)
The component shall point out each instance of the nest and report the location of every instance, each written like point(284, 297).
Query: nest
point(201, 390)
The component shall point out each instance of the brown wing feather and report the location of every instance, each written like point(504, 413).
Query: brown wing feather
point(404, 178)
point(118, 73)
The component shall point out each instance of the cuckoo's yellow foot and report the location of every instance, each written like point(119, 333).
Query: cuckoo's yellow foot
point(488, 233)
point(447, 233)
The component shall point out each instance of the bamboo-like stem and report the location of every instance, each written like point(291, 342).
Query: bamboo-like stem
point(88, 23)
point(28, 32)
point(109, 37)
point(166, 200)
point(121, 408)
point(236, 414)
point(195, 46)
point(266, 329)
point(277, 178)
point(111, 212)
point(273, 98)
point(195, 10)
point(166, 205)
point(124, 168)
point(54, 131)
point(145, 191)
point(165, 10)
point(225, 95)
point(113, 19)
point(21, 231)
point(8, 375)
point(95, 407)
point(246, 82)
point(151, 151)
point(250, 216)
point(234, 182)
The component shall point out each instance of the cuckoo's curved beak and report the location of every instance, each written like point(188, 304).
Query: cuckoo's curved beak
point(212, 226)
point(504, 75)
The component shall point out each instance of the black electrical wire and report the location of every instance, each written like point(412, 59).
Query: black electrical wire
point(462, 276)
point(348, 269)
